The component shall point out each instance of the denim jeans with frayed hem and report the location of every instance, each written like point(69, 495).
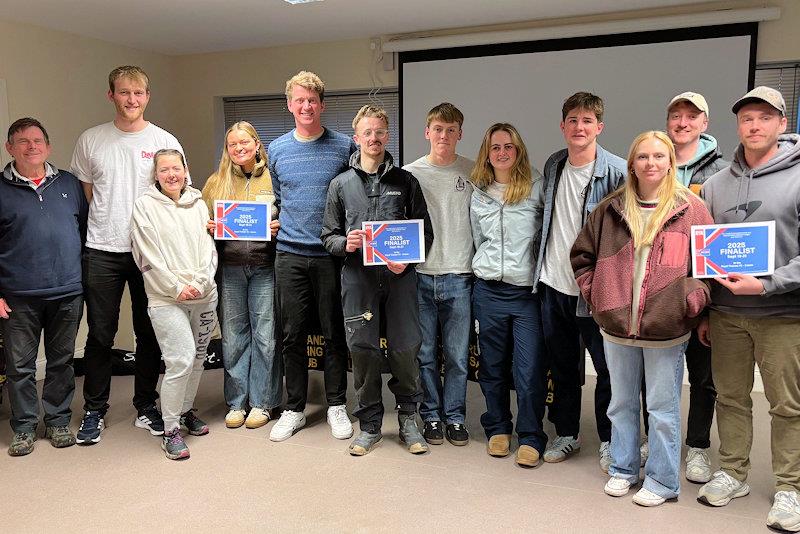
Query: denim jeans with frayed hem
point(444, 300)
point(663, 374)
point(253, 374)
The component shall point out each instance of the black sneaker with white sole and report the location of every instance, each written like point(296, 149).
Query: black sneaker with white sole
point(150, 419)
point(91, 427)
point(432, 432)
point(457, 434)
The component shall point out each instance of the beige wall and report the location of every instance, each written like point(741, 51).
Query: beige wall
point(60, 78)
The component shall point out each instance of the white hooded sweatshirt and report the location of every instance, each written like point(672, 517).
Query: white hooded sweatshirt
point(172, 247)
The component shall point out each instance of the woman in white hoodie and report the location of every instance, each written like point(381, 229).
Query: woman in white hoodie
point(178, 260)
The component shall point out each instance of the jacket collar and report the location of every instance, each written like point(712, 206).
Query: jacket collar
point(383, 168)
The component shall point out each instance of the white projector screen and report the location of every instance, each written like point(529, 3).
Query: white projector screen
point(636, 81)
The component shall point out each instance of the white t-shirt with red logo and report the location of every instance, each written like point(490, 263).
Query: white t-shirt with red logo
point(119, 165)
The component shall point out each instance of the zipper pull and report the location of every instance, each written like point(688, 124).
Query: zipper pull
point(367, 316)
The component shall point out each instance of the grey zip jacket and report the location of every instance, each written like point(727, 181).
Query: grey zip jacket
point(768, 193)
point(504, 237)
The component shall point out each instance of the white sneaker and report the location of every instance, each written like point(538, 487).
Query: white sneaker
point(785, 512)
point(617, 486)
point(645, 497)
point(722, 489)
point(644, 453)
point(341, 427)
point(605, 456)
point(289, 423)
point(698, 466)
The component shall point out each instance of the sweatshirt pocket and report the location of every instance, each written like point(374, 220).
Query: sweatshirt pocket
point(674, 249)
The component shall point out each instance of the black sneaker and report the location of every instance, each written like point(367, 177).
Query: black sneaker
point(194, 425)
point(150, 419)
point(433, 432)
point(91, 426)
point(457, 434)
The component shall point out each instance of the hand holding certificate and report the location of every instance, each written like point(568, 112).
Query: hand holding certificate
point(243, 221)
point(399, 242)
point(736, 249)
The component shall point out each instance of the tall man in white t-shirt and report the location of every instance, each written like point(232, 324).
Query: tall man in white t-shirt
point(444, 281)
point(575, 180)
point(114, 161)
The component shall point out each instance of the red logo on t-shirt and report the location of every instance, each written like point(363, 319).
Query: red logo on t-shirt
point(147, 155)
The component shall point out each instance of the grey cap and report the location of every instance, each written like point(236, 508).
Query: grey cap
point(696, 99)
point(762, 93)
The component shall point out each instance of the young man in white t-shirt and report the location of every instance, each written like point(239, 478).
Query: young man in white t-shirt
point(444, 281)
point(114, 162)
point(575, 180)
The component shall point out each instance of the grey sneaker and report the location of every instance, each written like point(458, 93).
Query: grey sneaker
point(193, 424)
point(644, 453)
point(174, 446)
point(698, 466)
point(605, 456)
point(60, 436)
point(364, 443)
point(560, 448)
point(785, 512)
point(722, 489)
point(22, 444)
point(410, 434)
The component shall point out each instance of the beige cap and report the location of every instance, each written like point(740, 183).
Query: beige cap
point(697, 99)
point(762, 93)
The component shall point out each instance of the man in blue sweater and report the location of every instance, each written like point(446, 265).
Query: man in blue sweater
point(302, 164)
point(42, 229)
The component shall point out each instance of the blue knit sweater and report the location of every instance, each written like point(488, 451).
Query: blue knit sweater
point(301, 173)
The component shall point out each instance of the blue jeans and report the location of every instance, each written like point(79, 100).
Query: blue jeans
point(512, 354)
point(663, 374)
point(444, 300)
point(253, 375)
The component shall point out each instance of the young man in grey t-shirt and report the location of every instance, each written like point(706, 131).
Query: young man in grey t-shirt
point(444, 281)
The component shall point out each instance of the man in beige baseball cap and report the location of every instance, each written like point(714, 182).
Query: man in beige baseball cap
point(756, 320)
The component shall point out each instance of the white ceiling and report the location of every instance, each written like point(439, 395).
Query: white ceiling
point(177, 27)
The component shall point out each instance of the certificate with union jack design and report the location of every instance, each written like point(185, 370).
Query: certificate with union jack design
point(397, 241)
point(743, 248)
point(242, 221)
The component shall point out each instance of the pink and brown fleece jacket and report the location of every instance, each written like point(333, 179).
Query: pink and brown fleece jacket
point(603, 260)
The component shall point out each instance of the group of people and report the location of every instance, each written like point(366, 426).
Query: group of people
point(595, 253)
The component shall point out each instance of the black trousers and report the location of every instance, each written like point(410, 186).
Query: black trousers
point(104, 277)
point(365, 290)
point(29, 317)
point(306, 283)
point(702, 395)
point(563, 331)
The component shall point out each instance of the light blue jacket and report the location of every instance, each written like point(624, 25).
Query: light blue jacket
point(503, 235)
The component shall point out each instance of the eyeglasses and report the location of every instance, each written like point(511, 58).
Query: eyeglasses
point(380, 134)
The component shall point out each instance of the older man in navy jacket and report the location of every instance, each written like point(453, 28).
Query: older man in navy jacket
point(42, 229)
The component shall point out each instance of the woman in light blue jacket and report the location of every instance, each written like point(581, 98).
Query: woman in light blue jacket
point(504, 221)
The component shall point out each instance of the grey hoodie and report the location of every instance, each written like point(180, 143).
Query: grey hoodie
point(767, 193)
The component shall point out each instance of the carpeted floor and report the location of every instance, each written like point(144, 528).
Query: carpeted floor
point(239, 481)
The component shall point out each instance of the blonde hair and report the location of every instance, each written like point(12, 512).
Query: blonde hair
point(521, 178)
point(128, 71)
point(307, 80)
point(446, 113)
point(669, 193)
point(220, 184)
point(368, 110)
